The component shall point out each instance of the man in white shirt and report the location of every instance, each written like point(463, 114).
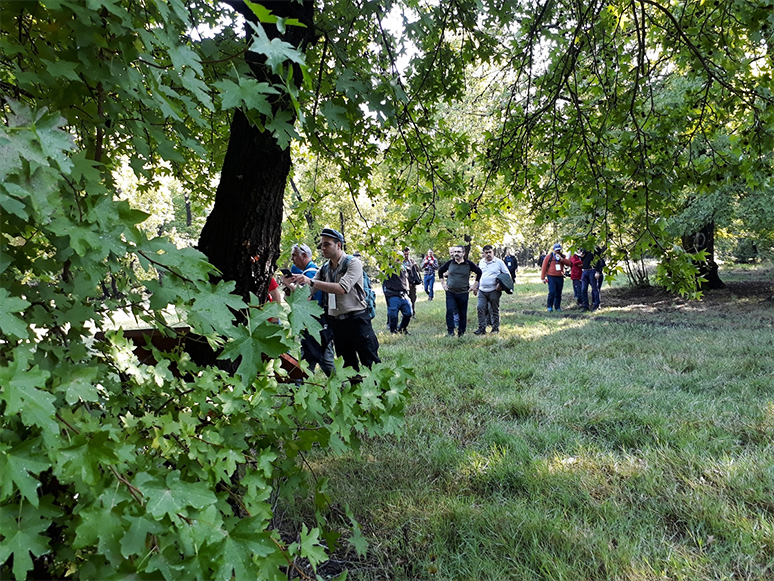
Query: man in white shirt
point(489, 291)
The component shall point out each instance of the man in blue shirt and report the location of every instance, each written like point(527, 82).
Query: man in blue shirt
point(314, 352)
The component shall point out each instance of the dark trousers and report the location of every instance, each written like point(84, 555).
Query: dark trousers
point(488, 308)
point(589, 280)
point(576, 290)
point(460, 302)
point(412, 295)
point(355, 338)
point(395, 305)
point(555, 286)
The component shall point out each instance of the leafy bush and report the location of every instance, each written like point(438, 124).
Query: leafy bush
point(110, 466)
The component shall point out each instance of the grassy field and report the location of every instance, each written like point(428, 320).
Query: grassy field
point(633, 443)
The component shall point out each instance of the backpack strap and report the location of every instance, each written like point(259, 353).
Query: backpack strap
point(325, 269)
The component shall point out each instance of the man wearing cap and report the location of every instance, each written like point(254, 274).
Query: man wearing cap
point(489, 291)
point(345, 302)
point(314, 352)
point(552, 273)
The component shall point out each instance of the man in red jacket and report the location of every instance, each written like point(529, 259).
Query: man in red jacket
point(553, 274)
point(576, 271)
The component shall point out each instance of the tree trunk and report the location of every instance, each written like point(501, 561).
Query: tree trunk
point(704, 240)
point(241, 237)
point(242, 234)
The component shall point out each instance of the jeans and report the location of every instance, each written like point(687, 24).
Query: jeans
point(576, 290)
point(395, 305)
point(589, 280)
point(314, 353)
point(429, 282)
point(488, 308)
point(460, 301)
point(555, 286)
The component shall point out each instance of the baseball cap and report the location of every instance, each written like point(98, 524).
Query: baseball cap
point(557, 247)
point(331, 233)
point(303, 248)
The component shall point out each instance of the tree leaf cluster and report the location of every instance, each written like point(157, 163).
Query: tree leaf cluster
point(113, 463)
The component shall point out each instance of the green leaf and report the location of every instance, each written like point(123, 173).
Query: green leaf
point(212, 311)
point(21, 531)
point(21, 394)
point(248, 93)
point(281, 126)
point(172, 496)
point(80, 384)
point(11, 204)
point(303, 312)
point(276, 50)
point(63, 69)
point(310, 547)
point(10, 324)
point(251, 341)
point(16, 466)
point(133, 541)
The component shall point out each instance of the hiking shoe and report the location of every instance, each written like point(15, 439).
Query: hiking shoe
point(405, 331)
point(479, 332)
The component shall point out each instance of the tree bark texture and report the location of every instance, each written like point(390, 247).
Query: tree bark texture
point(704, 240)
point(241, 237)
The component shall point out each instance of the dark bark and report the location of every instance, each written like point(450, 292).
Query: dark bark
point(704, 240)
point(241, 237)
point(242, 234)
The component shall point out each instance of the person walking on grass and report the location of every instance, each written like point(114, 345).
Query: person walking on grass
point(430, 266)
point(413, 277)
point(576, 271)
point(489, 291)
point(552, 273)
point(457, 288)
point(396, 290)
point(346, 308)
point(592, 266)
point(512, 263)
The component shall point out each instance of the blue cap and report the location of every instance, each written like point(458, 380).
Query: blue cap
point(557, 247)
point(331, 233)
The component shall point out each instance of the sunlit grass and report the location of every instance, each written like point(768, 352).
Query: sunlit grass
point(572, 447)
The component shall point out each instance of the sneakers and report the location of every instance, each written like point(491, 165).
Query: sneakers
point(404, 331)
point(479, 332)
point(558, 309)
point(495, 331)
point(550, 310)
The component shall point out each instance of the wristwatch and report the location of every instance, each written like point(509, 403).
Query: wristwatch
point(311, 283)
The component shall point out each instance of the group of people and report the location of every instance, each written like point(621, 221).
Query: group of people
point(341, 289)
point(492, 275)
point(585, 272)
